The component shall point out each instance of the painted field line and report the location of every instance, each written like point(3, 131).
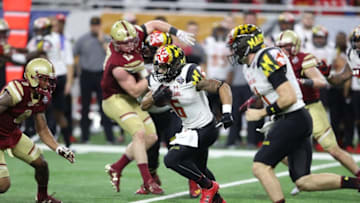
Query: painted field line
point(213, 153)
point(236, 183)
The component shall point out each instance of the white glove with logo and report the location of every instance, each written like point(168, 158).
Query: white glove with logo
point(186, 37)
point(66, 153)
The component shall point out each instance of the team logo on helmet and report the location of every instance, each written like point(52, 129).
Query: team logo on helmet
point(244, 39)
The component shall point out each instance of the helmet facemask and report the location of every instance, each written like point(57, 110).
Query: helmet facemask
point(355, 40)
point(167, 66)
point(240, 49)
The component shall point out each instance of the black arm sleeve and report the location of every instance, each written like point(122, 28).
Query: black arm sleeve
point(278, 77)
point(143, 27)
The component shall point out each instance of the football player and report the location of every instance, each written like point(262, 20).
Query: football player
point(124, 81)
point(183, 86)
point(18, 100)
point(310, 79)
point(353, 61)
point(271, 76)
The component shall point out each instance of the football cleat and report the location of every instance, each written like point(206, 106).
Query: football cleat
point(153, 187)
point(218, 199)
point(142, 190)
point(48, 199)
point(194, 189)
point(156, 178)
point(207, 195)
point(114, 177)
point(295, 191)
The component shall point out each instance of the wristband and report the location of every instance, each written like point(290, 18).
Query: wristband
point(307, 82)
point(226, 108)
point(273, 109)
point(173, 30)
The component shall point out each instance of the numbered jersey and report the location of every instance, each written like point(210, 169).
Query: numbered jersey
point(301, 62)
point(190, 105)
point(23, 106)
point(132, 63)
point(266, 62)
point(353, 60)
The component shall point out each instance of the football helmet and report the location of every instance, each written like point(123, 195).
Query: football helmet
point(320, 36)
point(42, 26)
point(355, 39)
point(289, 41)
point(40, 74)
point(168, 61)
point(4, 31)
point(155, 40)
point(286, 21)
point(242, 40)
point(124, 36)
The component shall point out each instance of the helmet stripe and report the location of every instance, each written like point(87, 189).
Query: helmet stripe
point(126, 28)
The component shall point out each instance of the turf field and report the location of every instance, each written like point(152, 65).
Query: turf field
point(86, 181)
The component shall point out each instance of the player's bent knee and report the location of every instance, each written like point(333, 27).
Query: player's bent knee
point(303, 183)
point(4, 184)
point(170, 161)
point(40, 163)
point(259, 169)
point(139, 135)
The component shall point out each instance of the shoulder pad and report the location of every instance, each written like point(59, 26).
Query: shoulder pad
point(16, 91)
point(270, 60)
point(194, 75)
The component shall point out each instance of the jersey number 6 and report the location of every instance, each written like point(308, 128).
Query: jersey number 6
point(178, 109)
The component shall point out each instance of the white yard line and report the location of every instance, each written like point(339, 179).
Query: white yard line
point(235, 183)
point(214, 153)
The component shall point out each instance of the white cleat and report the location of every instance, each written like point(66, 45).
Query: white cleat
point(295, 191)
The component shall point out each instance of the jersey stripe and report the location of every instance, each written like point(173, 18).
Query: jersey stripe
point(14, 93)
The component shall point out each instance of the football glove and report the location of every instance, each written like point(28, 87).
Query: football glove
point(227, 120)
point(186, 37)
point(324, 68)
point(66, 153)
point(161, 95)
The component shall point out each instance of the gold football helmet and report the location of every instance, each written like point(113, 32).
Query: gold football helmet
point(244, 39)
point(289, 41)
point(124, 36)
point(38, 70)
point(169, 60)
point(286, 21)
point(4, 31)
point(320, 36)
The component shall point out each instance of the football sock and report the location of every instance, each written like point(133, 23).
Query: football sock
point(280, 201)
point(144, 170)
point(358, 174)
point(120, 165)
point(348, 182)
point(204, 182)
point(42, 192)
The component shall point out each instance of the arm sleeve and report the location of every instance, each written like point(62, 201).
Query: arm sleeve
point(271, 60)
point(194, 75)
point(278, 77)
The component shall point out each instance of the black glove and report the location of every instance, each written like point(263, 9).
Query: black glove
point(162, 95)
point(227, 120)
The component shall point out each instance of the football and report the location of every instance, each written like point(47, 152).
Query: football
point(162, 96)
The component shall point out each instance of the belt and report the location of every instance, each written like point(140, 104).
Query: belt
point(286, 115)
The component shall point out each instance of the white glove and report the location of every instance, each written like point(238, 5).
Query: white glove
point(66, 153)
point(266, 127)
point(186, 37)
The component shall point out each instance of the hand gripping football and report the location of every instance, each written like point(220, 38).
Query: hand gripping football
point(162, 96)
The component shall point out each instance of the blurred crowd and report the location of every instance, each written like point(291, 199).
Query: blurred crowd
point(83, 59)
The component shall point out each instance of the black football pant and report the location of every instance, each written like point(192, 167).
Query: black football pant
point(191, 162)
point(89, 83)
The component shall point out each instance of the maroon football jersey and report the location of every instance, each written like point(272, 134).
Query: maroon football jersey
point(300, 62)
point(132, 63)
point(24, 105)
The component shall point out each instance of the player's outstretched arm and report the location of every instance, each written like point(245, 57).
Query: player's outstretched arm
point(314, 78)
point(128, 82)
point(185, 37)
point(47, 138)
